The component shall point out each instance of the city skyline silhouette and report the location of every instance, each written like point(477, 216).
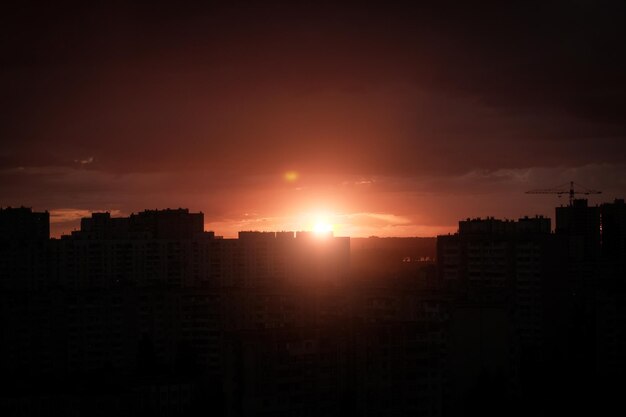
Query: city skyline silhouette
point(152, 314)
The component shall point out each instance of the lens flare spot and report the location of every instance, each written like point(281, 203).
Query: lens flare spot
point(291, 176)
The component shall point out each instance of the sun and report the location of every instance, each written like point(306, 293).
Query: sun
point(322, 228)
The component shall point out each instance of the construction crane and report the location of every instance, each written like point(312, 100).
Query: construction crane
point(561, 190)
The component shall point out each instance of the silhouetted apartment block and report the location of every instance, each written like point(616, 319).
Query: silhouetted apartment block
point(499, 271)
point(578, 233)
point(24, 249)
point(24, 224)
point(614, 231)
point(502, 262)
point(581, 224)
point(491, 254)
point(154, 248)
point(610, 296)
point(167, 224)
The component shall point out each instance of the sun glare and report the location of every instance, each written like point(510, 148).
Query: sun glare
point(320, 223)
point(322, 228)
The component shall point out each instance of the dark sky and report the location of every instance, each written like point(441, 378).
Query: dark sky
point(397, 119)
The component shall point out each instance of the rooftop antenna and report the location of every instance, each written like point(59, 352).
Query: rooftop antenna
point(562, 189)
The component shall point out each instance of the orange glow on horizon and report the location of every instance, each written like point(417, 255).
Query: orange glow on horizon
point(321, 221)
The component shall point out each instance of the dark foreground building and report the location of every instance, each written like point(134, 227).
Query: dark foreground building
point(151, 315)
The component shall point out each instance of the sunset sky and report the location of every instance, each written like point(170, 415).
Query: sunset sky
point(381, 120)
